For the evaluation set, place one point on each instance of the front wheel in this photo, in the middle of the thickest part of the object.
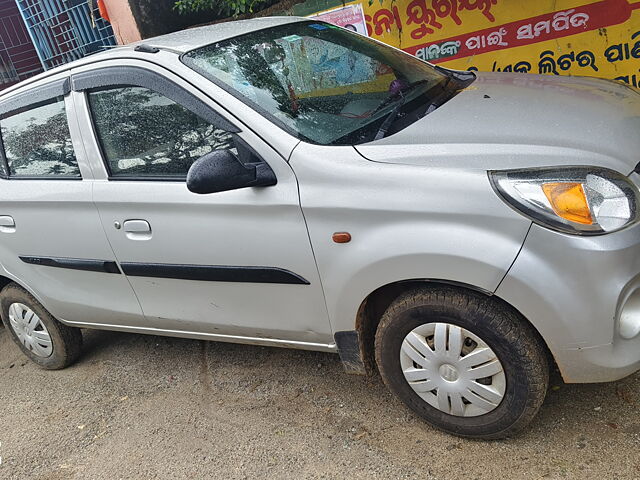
(462, 361)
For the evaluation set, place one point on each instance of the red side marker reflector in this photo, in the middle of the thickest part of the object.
(341, 237)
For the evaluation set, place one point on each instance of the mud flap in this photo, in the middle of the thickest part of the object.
(348, 343)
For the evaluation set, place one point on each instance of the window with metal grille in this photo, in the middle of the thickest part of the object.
(65, 30)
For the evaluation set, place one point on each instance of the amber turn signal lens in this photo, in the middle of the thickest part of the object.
(341, 237)
(569, 201)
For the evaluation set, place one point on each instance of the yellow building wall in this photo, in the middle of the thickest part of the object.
(562, 37)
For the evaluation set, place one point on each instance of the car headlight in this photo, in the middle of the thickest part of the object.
(576, 200)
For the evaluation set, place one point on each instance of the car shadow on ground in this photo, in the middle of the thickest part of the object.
(568, 404)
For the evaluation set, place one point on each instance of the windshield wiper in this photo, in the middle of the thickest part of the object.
(401, 93)
(389, 119)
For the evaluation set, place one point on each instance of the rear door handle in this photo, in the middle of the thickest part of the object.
(7, 224)
(137, 229)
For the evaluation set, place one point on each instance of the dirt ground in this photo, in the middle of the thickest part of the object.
(145, 407)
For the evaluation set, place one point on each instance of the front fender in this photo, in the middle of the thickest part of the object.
(460, 254)
(406, 222)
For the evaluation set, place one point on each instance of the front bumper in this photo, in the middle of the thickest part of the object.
(575, 290)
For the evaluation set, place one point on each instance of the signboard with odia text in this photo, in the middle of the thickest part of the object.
(560, 37)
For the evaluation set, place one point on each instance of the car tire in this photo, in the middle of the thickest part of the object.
(41, 337)
(476, 335)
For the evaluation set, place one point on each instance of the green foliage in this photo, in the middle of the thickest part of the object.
(223, 8)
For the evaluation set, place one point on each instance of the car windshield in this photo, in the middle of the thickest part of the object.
(325, 84)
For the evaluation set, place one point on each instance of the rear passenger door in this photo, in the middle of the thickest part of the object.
(51, 238)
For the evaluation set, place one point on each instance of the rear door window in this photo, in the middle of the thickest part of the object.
(36, 142)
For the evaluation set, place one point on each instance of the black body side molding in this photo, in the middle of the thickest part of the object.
(213, 273)
(207, 273)
(91, 265)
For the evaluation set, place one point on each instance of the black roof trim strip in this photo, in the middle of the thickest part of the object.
(144, 48)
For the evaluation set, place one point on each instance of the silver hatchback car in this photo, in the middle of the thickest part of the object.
(285, 182)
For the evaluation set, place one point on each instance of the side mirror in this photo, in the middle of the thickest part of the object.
(220, 171)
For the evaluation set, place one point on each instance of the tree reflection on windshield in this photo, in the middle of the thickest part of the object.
(321, 83)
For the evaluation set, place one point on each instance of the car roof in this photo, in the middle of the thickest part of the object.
(191, 38)
(178, 42)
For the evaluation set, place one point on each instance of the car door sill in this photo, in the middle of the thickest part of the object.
(268, 342)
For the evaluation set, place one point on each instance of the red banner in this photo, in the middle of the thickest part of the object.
(532, 30)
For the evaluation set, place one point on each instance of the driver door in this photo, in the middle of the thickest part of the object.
(230, 264)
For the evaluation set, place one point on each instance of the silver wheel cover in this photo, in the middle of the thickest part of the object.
(30, 330)
(452, 369)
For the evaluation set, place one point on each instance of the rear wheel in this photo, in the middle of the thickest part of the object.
(463, 361)
(39, 335)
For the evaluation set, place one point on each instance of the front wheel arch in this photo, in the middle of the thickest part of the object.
(376, 303)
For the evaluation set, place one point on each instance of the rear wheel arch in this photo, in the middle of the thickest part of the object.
(6, 281)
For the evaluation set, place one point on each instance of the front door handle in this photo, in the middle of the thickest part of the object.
(7, 224)
(137, 229)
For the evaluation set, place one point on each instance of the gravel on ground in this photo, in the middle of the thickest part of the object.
(147, 407)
